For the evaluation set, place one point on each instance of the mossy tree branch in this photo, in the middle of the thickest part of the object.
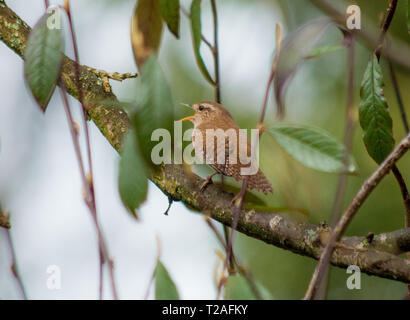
(375, 257)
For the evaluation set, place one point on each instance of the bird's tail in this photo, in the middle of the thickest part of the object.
(259, 182)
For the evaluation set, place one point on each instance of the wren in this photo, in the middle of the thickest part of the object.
(211, 115)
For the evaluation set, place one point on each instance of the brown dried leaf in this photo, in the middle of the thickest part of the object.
(146, 30)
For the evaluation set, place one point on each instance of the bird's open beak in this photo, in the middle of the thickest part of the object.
(190, 117)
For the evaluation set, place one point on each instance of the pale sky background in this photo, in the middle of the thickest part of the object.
(39, 178)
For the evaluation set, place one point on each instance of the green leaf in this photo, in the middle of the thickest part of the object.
(132, 178)
(155, 109)
(374, 115)
(170, 13)
(43, 56)
(237, 288)
(146, 30)
(295, 47)
(197, 38)
(165, 288)
(319, 51)
(313, 147)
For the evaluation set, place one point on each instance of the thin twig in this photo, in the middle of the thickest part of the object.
(349, 129)
(113, 75)
(398, 96)
(368, 186)
(241, 195)
(322, 266)
(237, 211)
(242, 270)
(252, 284)
(88, 180)
(406, 199)
(74, 135)
(218, 98)
(260, 128)
(151, 280)
(348, 138)
(228, 242)
(404, 192)
(278, 33)
(14, 268)
(397, 174)
(389, 17)
(215, 231)
(215, 52)
(369, 33)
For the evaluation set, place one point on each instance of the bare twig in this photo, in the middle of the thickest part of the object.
(241, 195)
(101, 241)
(406, 199)
(215, 231)
(398, 52)
(215, 52)
(389, 17)
(348, 137)
(402, 184)
(398, 96)
(278, 32)
(88, 180)
(242, 270)
(4, 222)
(113, 75)
(238, 207)
(151, 280)
(349, 129)
(14, 267)
(315, 284)
(397, 174)
(336, 234)
(228, 242)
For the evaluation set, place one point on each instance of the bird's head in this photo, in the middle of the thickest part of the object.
(208, 112)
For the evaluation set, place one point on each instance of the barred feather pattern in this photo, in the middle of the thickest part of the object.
(232, 166)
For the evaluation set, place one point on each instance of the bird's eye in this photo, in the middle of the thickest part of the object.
(201, 108)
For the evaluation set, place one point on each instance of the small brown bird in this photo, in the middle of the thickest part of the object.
(212, 115)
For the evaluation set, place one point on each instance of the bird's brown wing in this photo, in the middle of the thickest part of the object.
(232, 166)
